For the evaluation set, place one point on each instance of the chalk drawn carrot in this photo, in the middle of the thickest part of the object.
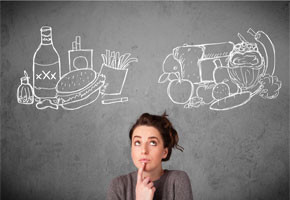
(223, 75)
(115, 69)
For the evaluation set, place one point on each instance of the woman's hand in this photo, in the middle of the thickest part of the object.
(144, 187)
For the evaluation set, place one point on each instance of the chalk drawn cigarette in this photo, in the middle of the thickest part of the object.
(224, 75)
(115, 100)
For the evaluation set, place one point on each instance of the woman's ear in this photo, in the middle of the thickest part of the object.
(165, 152)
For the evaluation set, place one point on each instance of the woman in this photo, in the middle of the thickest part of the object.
(152, 139)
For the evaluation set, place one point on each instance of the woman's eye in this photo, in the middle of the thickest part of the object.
(153, 143)
(136, 143)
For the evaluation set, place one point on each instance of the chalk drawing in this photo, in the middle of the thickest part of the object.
(115, 69)
(116, 100)
(47, 103)
(79, 58)
(46, 66)
(25, 91)
(79, 87)
(222, 75)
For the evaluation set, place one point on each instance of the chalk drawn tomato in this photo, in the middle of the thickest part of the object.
(180, 91)
(220, 91)
(221, 75)
(205, 92)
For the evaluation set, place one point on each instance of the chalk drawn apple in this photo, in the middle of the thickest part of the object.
(180, 90)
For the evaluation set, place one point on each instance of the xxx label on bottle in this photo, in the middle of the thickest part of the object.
(45, 79)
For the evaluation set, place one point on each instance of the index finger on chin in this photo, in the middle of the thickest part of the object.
(140, 173)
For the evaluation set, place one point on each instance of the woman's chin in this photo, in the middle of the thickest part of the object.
(147, 168)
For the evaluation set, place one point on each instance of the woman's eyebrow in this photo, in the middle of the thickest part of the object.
(153, 137)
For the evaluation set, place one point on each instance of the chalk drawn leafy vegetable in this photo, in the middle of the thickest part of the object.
(271, 86)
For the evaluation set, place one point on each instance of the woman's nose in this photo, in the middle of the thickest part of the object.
(144, 149)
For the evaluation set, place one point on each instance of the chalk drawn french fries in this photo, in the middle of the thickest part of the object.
(115, 69)
(223, 75)
(115, 61)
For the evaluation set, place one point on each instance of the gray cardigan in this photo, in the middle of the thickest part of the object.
(172, 185)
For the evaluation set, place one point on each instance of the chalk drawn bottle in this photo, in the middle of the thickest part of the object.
(25, 91)
(46, 66)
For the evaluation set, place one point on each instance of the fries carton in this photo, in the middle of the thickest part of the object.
(114, 68)
(115, 79)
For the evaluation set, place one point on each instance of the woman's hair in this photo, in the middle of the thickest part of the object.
(165, 128)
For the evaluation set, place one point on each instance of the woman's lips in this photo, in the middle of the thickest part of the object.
(144, 160)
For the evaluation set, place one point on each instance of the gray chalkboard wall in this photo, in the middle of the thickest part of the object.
(240, 153)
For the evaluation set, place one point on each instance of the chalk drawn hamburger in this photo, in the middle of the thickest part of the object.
(79, 88)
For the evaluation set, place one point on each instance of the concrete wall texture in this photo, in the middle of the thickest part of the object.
(237, 154)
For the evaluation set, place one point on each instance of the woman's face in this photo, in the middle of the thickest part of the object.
(147, 147)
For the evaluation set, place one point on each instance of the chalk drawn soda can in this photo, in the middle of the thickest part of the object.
(46, 66)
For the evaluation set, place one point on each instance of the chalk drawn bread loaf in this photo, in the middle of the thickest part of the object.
(188, 56)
